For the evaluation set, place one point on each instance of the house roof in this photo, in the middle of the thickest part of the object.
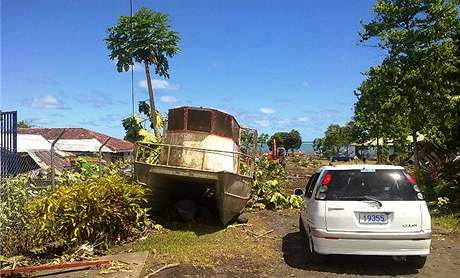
(27, 142)
(43, 159)
(81, 145)
(114, 144)
(420, 137)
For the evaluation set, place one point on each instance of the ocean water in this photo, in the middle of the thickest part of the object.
(306, 148)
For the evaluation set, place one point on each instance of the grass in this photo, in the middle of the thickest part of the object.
(201, 245)
(450, 223)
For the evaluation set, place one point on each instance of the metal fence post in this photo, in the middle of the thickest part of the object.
(53, 183)
(100, 155)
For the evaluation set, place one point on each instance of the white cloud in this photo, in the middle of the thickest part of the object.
(305, 84)
(283, 122)
(40, 121)
(303, 119)
(43, 102)
(263, 123)
(266, 110)
(159, 85)
(168, 99)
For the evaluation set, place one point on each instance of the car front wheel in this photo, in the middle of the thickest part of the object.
(416, 261)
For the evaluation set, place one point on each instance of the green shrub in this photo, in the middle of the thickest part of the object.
(14, 231)
(268, 185)
(99, 209)
(440, 206)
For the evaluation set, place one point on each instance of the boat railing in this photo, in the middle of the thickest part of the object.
(161, 154)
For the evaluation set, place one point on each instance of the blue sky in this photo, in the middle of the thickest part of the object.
(274, 65)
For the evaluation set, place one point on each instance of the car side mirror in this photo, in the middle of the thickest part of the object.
(298, 192)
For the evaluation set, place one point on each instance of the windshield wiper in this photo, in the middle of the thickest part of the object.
(368, 198)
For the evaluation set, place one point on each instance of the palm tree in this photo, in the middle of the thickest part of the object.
(145, 38)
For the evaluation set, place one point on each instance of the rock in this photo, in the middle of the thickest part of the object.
(186, 209)
(242, 218)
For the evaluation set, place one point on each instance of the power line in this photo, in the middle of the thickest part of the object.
(132, 63)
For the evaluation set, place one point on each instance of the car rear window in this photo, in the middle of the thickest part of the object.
(384, 185)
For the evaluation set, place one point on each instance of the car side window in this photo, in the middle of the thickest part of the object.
(311, 185)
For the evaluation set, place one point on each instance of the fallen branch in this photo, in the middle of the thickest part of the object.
(29, 269)
(264, 234)
(237, 225)
(161, 269)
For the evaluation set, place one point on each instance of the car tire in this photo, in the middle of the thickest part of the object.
(416, 261)
(302, 231)
(311, 254)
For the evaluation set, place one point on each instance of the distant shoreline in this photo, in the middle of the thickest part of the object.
(306, 148)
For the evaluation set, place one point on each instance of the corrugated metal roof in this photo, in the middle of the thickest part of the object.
(27, 142)
(81, 145)
(114, 144)
(43, 159)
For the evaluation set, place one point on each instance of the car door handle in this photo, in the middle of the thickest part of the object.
(335, 208)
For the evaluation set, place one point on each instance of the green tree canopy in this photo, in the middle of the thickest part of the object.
(293, 140)
(263, 139)
(147, 38)
(411, 90)
(335, 138)
(24, 124)
(289, 140)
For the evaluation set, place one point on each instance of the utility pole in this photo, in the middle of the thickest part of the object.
(132, 62)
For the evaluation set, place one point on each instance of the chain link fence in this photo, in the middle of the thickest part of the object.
(44, 161)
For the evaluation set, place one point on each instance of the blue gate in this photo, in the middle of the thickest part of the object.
(8, 143)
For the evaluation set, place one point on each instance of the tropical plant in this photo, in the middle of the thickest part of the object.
(136, 132)
(145, 38)
(268, 185)
(100, 209)
(15, 193)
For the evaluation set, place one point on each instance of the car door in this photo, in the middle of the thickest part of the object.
(309, 189)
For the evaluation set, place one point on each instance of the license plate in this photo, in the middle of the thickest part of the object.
(373, 218)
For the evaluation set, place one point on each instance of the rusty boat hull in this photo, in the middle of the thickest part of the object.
(168, 184)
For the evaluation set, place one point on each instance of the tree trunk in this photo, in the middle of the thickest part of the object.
(414, 135)
(378, 150)
(414, 142)
(153, 111)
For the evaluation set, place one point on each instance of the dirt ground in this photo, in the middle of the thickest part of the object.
(270, 245)
(287, 257)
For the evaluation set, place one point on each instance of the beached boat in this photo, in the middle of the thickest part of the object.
(199, 159)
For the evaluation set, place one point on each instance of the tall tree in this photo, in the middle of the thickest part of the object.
(335, 138)
(280, 138)
(24, 124)
(293, 140)
(146, 38)
(418, 38)
(262, 140)
(378, 110)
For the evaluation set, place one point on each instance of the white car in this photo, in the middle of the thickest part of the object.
(365, 210)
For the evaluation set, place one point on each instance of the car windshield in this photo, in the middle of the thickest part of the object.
(382, 185)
